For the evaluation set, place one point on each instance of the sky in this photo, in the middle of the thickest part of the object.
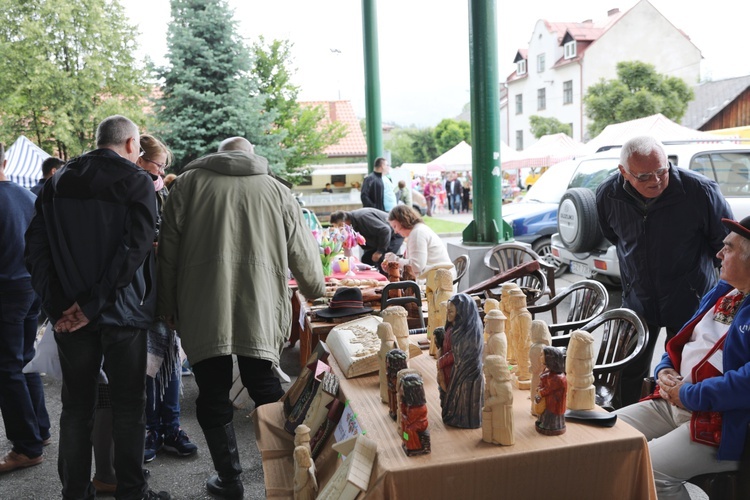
(424, 44)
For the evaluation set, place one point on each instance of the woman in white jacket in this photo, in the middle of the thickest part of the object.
(424, 248)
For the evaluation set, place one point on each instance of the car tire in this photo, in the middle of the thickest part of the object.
(543, 247)
(577, 222)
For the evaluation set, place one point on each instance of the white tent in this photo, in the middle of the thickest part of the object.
(459, 158)
(658, 126)
(548, 150)
(25, 162)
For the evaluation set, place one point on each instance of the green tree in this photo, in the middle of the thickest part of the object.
(302, 130)
(208, 93)
(66, 65)
(637, 92)
(541, 125)
(450, 132)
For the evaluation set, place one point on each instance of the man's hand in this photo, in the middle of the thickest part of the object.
(72, 319)
(376, 256)
(670, 382)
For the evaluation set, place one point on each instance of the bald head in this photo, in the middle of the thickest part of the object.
(236, 144)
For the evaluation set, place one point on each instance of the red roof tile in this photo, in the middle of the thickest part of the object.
(353, 144)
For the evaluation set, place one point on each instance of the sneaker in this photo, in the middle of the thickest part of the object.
(12, 461)
(154, 443)
(152, 495)
(178, 443)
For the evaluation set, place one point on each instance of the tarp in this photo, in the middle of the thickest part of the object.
(459, 158)
(658, 126)
(548, 150)
(25, 162)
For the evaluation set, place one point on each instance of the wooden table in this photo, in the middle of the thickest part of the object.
(585, 462)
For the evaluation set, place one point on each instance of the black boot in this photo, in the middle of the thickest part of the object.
(222, 444)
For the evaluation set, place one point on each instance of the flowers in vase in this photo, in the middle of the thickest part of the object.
(332, 240)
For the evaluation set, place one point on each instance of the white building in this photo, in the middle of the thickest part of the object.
(564, 58)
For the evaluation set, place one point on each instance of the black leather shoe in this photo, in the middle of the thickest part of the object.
(232, 489)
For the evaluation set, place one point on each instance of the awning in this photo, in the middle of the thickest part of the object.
(340, 170)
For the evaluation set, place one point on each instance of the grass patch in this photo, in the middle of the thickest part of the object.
(442, 226)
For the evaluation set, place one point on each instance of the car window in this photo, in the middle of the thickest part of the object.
(731, 169)
(592, 172)
(551, 186)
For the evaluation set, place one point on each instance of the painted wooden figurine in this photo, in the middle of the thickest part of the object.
(497, 418)
(579, 370)
(305, 484)
(399, 376)
(396, 316)
(413, 409)
(494, 331)
(551, 394)
(460, 365)
(396, 361)
(387, 342)
(540, 337)
(520, 331)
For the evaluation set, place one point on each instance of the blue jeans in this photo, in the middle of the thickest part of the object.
(21, 394)
(163, 412)
(124, 351)
(455, 202)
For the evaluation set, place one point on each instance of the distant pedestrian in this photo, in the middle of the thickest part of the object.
(49, 167)
(377, 188)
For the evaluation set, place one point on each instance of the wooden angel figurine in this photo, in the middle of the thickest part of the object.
(505, 307)
(551, 394)
(387, 342)
(305, 484)
(413, 408)
(579, 370)
(497, 418)
(460, 365)
(540, 337)
(520, 333)
(396, 361)
(494, 332)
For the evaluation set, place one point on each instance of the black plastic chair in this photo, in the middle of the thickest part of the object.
(407, 287)
(461, 263)
(586, 300)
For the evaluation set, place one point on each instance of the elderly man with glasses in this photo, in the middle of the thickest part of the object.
(665, 223)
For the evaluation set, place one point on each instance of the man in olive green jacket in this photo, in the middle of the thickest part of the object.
(229, 233)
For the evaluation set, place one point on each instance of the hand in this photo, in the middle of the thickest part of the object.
(72, 319)
(670, 382)
(376, 256)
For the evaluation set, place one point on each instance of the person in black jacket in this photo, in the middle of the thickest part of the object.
(373, 187)
(49, 167)
(373, 225)
(665, 223)
(87, 249)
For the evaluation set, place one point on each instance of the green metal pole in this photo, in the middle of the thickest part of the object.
(488, 226)
(372, 83)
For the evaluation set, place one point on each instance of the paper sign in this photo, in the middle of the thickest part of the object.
(348, 425)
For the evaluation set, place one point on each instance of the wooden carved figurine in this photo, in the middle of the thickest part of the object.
(302, 436)
(396, 317)
(579, 369)
(387, 342)
(551, 394)
(520, 331)
(494, 331)
(393, 273)
(540, 337)
(408, 273)
(489, 305)
(396, 361)
(505, 307)
(399, 376)
(497, 418)
(305, 484)
(441, 294)
(460, 365)
(413, 409)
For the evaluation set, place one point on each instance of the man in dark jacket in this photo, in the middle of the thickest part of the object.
(373, 225)
(373, 187)
(453, 192)
(49, 167)
(666, 225)
(86, 249)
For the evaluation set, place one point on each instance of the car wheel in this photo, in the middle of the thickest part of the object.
(577, 221)
(543, 247)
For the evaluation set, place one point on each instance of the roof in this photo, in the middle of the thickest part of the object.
(353, 144)
(548, 150)
(711, 98)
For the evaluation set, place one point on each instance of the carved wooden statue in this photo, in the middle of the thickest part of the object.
(551, 394)
(437, 303)
(393, 273)
(413, 409)
(489, 305)
(387, 342)
(494, 331)
(505, 307)
(302, 436)
(579, 369)
(399, 376)
(305, 484)
(396, 316)
(540, 337)
(520, 332)
(396, 361)
(460, 365)
(497, 417)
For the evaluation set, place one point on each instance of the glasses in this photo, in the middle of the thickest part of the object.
(660, 173)
(162, 166)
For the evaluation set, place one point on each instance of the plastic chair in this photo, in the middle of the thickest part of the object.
(587, 300)
(461, 263)
(506, 256)
(416, 298)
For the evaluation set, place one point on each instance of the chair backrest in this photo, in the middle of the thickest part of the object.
(462, 265)
(408, 287)
(311, 219)
(505, 256)
(585, 299)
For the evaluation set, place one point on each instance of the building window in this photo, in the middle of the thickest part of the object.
(519, 104)
(568, 92)
(519, 140)
(338, 180)
(570, 49)
(541, 99)
(521, 67)
(540, 63)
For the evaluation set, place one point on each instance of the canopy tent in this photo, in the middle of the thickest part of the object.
(658, 126)
(548, 150)
(459, 158)
(416, 169)
(25, 162)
